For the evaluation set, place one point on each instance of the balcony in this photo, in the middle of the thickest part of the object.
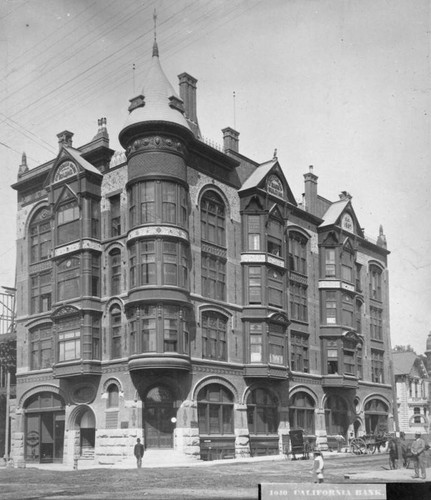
(159, 361)
(77, 368)
(266, 371)
(340, 382)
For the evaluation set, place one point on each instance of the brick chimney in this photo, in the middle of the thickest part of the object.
(65, 138)
(188, 95)
(230, 139)
(310, 195)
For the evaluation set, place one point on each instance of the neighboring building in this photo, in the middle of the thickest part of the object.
(412, 385)
(179, 293)
(7, 365)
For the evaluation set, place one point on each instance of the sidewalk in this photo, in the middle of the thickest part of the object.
(387, 476)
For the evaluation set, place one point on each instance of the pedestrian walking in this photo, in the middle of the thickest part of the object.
(394, 447)
(404, 450)
(318, 467)
(418, 456)
(139, 452)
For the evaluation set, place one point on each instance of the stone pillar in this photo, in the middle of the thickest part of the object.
(320, 426)
(242, 434)
(283, 430)
(186, 433)
(17, 436)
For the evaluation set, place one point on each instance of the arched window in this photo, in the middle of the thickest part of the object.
(113, 396)
(213, 219)
(40, 236)
(262, 412)
(336, 417)
(297, 252)
(376, 416)
(215, 410)
(115, 324)
(115, 270)
(301, 412)
(375, 283)
(214, 336)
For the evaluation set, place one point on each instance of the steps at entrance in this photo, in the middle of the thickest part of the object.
(167, 457)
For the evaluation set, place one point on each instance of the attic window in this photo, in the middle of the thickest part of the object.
(274, 186)
(136, 102)
(65, 170)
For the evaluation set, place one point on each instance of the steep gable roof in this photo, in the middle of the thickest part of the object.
(408, 363)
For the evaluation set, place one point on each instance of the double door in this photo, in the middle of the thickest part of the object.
(159, 418)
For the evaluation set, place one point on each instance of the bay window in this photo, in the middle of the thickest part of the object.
(68, 222)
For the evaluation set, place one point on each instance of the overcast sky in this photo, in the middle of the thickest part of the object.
(343, 85)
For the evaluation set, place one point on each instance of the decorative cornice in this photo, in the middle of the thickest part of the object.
(79, 245)
(157, 231)
(213, 250)
(156, 143)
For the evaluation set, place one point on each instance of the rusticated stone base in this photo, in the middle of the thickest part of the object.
(115, 446)
(187, 441)
(242, 443)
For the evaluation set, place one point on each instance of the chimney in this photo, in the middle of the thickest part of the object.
(188, 95)
(310, 195)
(230, 140)
(65, 138)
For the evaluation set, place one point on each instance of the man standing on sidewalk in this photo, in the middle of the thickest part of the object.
(418, 455)
(139, 452)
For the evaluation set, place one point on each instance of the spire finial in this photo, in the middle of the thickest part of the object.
(155, 47)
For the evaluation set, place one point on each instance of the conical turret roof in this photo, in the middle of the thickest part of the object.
(161, 102)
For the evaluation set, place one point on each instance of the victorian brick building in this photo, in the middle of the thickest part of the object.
(179, 293)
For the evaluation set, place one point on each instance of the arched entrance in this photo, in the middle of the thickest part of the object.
(376, 417)
(336, 416)
(87, 426)
(44, 428)
(158, 415)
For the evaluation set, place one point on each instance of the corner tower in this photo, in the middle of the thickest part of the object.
(155, 137)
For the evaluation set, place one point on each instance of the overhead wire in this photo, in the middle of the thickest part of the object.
(176, 46)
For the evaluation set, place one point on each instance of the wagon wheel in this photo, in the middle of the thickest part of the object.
(358, 446)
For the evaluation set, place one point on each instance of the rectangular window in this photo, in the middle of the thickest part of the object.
(95, 218)
(298, 301)
(330, 262)
(170, 266)
(169, 203)
(68, 222)
(115, 262)
(254, 232)
(40, 241)
(347, 273)
(213, 277)
(95, 275)
(275, 288)
(68, 278)
(132, 265)
(331, 308)
(377, 374)
(255, 285)
(115, 226)
(349, 361)
(116, 351)
(376, 329)
(95, 332)
(41, 292)
(69, 340)
(332, 357)
(214, 329)
(275, 234)
(170, 328)
(376, 284)
(298, 253)
(148, 263)
(299, 360)
(256, 346)
(41, 348)
(148, 211)
(148, 324)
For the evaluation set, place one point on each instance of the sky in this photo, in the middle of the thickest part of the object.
(343, 85)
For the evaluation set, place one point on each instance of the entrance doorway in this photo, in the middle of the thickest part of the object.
(88, 434)
(44, 428)
(158, 414)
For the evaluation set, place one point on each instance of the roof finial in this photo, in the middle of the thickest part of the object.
(275, 154)
(155, 47)
(23, 168)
